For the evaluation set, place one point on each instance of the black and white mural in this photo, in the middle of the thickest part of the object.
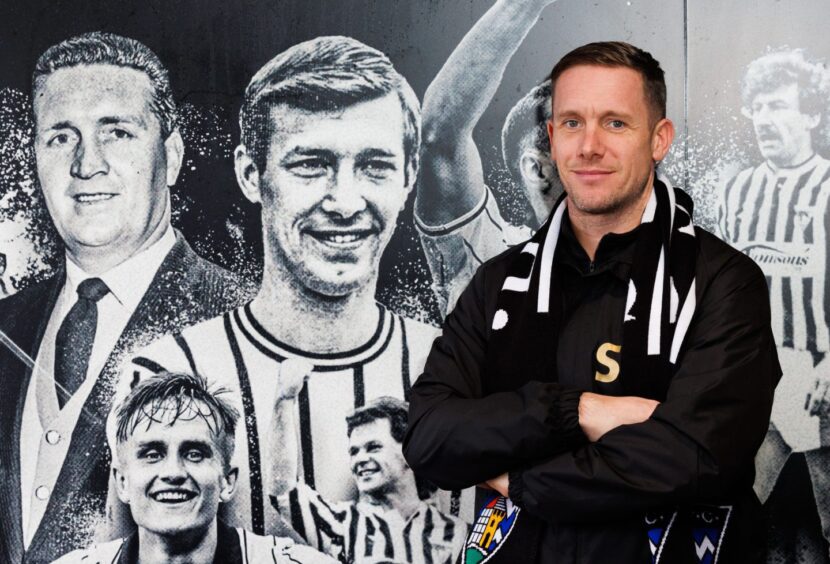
(287, 197)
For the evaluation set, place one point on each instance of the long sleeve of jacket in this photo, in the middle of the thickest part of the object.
(698, 444)
(457, 436)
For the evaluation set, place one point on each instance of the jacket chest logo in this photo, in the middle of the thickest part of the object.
(608, 366)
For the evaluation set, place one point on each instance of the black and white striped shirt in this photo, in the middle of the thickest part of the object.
(236, 352)
(361, 532)
(780, 219)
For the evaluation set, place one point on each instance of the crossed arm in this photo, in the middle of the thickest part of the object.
(558, 451)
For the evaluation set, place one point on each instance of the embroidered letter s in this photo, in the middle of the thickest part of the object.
(605, 360)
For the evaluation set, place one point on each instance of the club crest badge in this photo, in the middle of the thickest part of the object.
(658, 527)
(492, 527)
(708, 529)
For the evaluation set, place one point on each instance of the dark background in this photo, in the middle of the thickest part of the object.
(212, 49)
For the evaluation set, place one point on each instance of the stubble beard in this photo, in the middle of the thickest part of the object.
(612, 205)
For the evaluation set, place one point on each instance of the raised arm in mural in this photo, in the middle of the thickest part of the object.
(777, 213)
(389, 518)
(329, 143)
(283, 469)
(505, 397)
(457, 216)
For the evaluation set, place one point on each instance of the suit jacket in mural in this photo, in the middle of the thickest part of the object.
(185, 290)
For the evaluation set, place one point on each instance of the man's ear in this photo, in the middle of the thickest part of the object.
(661, 139)
(411, 176)
(174, 151)
(121, 485)
(229, 484)
(813, 120)
(247, 174)
(550, 140)
(537, 169)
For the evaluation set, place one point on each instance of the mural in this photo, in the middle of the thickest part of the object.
(302, 204)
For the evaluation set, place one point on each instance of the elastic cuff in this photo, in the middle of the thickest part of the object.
(515, 487)
(563, 416)
(455, 224)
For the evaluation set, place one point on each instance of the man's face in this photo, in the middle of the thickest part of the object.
(783, 132)
(604, 139)
(331, 191)
(102, 163)
(376, 458)
(173, 476)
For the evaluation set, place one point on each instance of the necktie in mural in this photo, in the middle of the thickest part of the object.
(73, 344)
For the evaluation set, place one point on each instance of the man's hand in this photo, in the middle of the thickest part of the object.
(293, 374)
(500, 483)
(599, 414)
(818, 400)
(281, 470)
(287, 552)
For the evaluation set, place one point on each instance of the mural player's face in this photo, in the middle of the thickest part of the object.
(331, 191)
(173, 476)
(782, 131)
(376, 458)
(602, 138)
(102, 164)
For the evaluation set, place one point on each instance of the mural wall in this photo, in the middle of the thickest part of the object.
(348, 290)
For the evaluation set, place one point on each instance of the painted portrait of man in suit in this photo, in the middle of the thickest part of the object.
(107, 148)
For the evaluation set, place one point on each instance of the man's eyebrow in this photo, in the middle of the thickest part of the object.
(106, 120)
(150, 444)
(110, 120)
(299, 150)
(60, 125)
(567, 114)
(618, 114)
(197, 444)
(374, 153)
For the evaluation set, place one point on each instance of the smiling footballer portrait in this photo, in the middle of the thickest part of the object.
(391, 519)
(172, 466)
(330, 136)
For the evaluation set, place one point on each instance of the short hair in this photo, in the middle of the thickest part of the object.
(620, 54)
(170, 396)
(786, 66)
(100, 48)
(323, 75)
(396, 412)
(526, 127)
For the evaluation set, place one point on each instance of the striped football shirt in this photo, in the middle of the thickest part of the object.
(780, 219)
(362, 532)
(235, 351)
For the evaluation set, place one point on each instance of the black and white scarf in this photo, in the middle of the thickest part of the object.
(658, 310)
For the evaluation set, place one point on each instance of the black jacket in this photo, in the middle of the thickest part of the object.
(185, 290)
(595, 501)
